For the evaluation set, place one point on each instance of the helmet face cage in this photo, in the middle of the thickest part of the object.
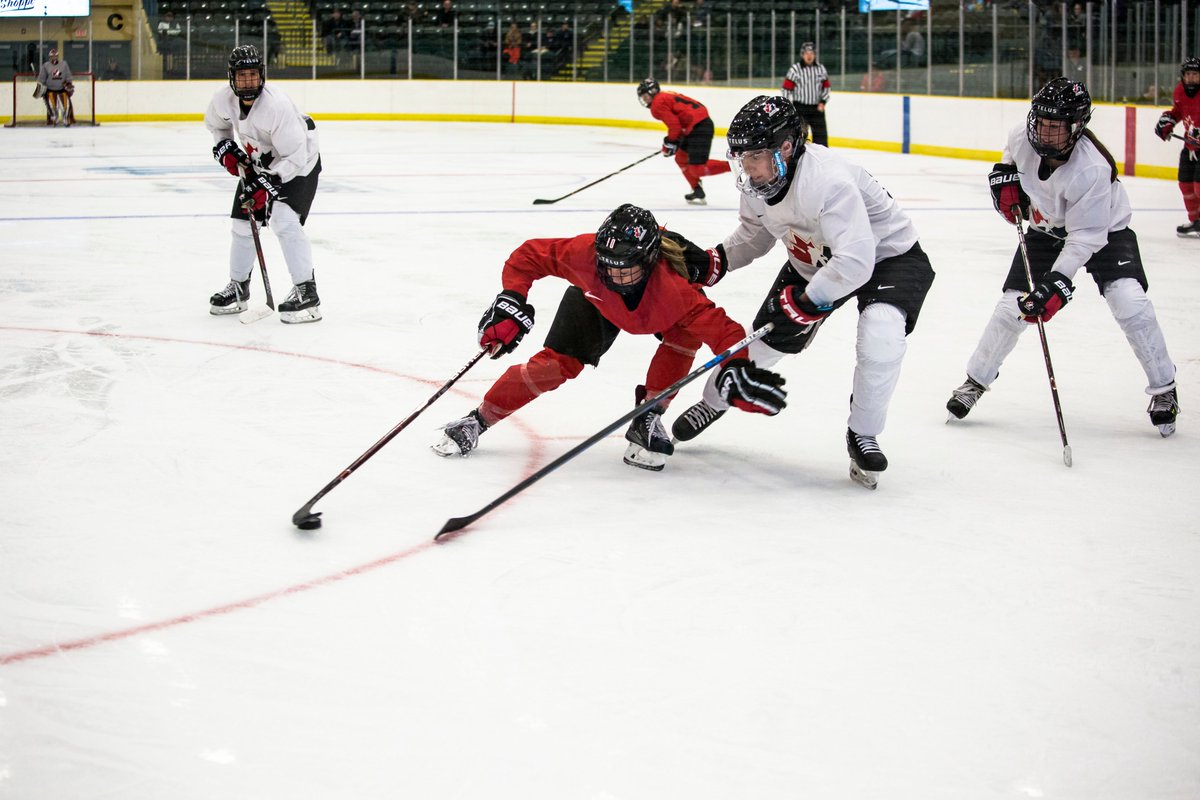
(246, 57)
(1190, 65)
(1060, 99)
(646, 91)
(53, 55)
(627, 248)
(758, 130)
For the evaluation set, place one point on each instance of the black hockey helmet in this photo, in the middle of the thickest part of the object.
(1189, 65)
(646, 91)
(765, 123)
(1060, 99)
(246, 57)
(627, 240)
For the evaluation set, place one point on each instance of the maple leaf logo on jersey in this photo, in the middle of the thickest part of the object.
(803, 250)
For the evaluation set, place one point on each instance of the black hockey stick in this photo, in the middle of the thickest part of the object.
(1062, 430)
(304, 517)
(458, 523)
(541, 202)
(262, 262)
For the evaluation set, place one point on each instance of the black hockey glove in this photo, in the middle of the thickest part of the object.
(1166, 124)
(744, 385)
(792, 307)
(1007, 193)
(257, 190)
(670, 147)
(230, 156)
(1047, 298)
(505, 323)
(705, 267)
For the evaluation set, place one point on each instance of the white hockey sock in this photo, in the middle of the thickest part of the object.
(293, 241)
(1134, 312)
(998, 340)
(880, 352)
(242, 257)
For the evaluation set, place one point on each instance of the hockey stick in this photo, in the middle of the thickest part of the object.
(1062, 431)
(458, 523)
(255, 314)
(542, 202)
(304, 517)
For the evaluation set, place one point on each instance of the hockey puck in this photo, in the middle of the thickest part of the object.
(309, 523)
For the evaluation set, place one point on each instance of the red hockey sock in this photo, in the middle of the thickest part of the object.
(716, 167)
(521, 383)
(671, 362)
(1191, 199)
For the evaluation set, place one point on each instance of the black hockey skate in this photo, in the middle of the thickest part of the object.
(1163, 409)
(696, 196)
(649, 444)
(1191, 229)
(230, 300)
(461, 436)
(693, 421)
(302, 305)
(866, 459)
(964, 398)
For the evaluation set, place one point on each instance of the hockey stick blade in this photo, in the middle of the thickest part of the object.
(545, 202)
(252, 315)
(458, 523)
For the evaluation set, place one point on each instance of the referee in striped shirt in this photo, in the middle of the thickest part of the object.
(807, 86)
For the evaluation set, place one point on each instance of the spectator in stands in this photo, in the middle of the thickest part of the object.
(562, 41)
(1076, 68)
(446, 14)
(513, 42)
(414, 12)
(356, 30)
(874, 81)
(335, 31)
(699, 14)
(113, 72)
(170, 33)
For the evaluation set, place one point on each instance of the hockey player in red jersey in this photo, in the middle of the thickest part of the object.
(1186, 110)
(689, 135)
(628, 276)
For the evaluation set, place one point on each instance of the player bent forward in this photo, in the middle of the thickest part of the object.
(1057, 173)
(279, 163)
(846, 239)
(628, 276)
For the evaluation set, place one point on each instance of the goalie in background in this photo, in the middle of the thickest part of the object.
(55, 87)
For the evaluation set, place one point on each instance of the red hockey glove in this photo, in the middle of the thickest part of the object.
(256, 192)
(1166, 124)
(1047, 298)
(1007, 193)
(744, 385)
(670, 146)
(704, 267)
(792, 307)
(505, 323)
(230, 156)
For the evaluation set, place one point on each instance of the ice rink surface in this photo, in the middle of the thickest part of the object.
(746, 624)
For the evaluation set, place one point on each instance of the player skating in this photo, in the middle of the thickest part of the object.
(689, 135)
(57, 85)
(846, 238)
(278, 152)
(1186, 111)
(1061, 178)
(628, 276)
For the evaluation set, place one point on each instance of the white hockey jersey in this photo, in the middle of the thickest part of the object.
(836, 222)
(278, 138)
(1080, 197)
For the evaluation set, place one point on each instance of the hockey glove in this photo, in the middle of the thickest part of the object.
(256, 191)
(670, 146)
(1047, 298)
(704, 267)
(1007, 193)
(744, 385)
(792, 307)
(1192, 140)
(230, 156)
(505, 323)
(70, 88)
(1166, 124)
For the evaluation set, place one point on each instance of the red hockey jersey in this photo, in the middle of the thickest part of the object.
(1185, 110)
(679, 113)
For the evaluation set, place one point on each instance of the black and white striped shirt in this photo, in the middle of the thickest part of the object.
(806, 84)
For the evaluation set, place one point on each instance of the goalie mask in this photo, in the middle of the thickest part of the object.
(246, 57)
(1190, 65)
(756, 138)
(627, 248)
(1060, 112)
(646, 91)
(53, 55)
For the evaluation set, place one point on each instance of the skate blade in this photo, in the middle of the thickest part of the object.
(699, 202)
(640, 457)
(447, 448)
(297, 317)
(224, 311)
(862, 477)
(1166, 430)
(252, 315)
